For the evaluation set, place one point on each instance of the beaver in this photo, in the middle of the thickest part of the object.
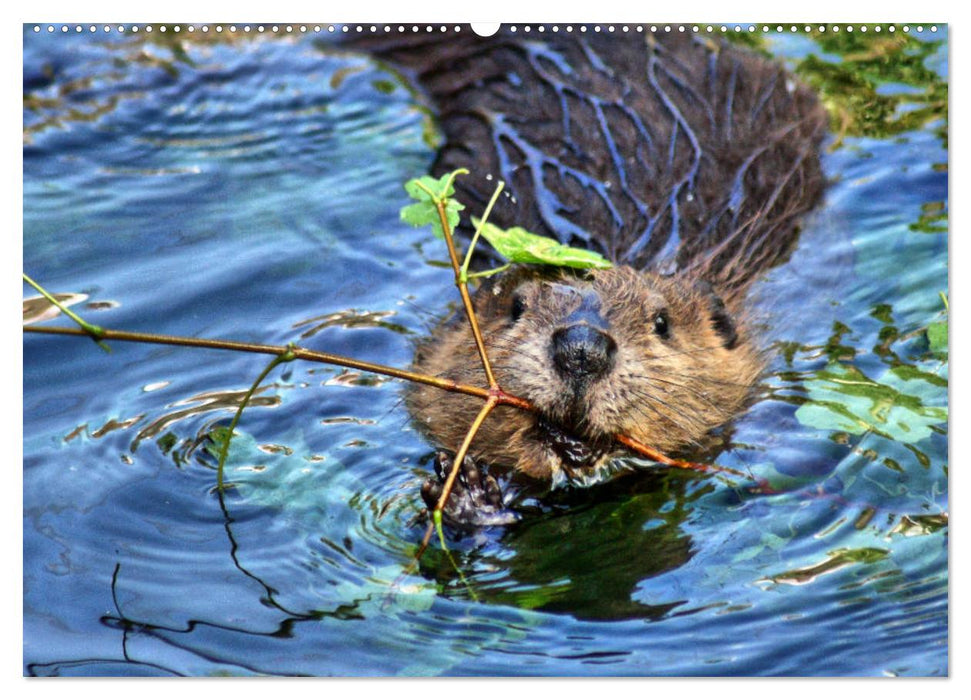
(686, 161)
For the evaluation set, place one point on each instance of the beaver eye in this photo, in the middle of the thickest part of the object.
(518, 307)
(661, 326)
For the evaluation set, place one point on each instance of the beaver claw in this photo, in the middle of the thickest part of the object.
(475, 500)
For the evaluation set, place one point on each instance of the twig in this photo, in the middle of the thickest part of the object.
(460, 282)
(298, 353)
(502, 398)
(463, 450)
(651, 453)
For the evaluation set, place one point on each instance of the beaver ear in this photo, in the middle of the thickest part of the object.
(721, 320)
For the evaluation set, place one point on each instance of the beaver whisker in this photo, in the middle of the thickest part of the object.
(674, 412)
(720, 382)
(704, 397)
(650, 399)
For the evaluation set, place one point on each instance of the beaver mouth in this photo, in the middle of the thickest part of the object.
(576, 454)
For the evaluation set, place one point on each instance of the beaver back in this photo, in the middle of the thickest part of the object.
(670, 152)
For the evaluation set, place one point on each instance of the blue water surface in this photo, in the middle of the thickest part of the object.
(250, 189)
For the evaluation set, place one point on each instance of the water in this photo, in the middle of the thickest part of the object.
(250, 189)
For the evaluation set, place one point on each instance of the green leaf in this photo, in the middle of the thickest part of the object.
(520, 246)
(428, 191)
(937, 336)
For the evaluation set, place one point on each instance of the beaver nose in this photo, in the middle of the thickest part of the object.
(582, 353)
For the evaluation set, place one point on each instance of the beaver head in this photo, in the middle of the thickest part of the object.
(658, 358)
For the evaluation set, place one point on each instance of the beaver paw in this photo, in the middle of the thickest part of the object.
(475, 500)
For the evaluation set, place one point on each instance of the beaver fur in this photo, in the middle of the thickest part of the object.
(686, 161)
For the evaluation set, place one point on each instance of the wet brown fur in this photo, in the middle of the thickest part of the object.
(686, 161)
(667, 393)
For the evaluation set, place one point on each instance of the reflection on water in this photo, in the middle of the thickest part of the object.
(556, 562)
(215, 186)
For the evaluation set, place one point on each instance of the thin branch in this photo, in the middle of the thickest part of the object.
(651, 453)
(224, 449)
(298, 353)
(464, 293)
(478, 232)
(463, 450)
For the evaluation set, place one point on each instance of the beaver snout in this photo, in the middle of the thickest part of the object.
(582, 353)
